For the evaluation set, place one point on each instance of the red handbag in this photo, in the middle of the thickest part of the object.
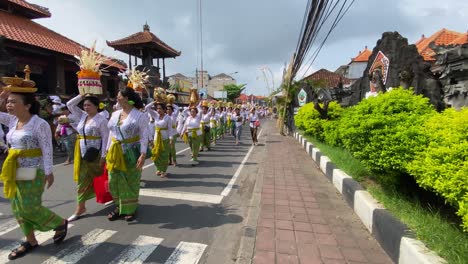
(101, 187)
(257, 123)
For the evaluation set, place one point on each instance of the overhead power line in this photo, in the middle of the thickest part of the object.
(317, 13)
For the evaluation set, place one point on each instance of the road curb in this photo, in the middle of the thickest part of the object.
(394, 236)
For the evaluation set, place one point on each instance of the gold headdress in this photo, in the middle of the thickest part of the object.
(137, 79)
(89, 76)
(159, 95)
(20, 85)
(205, 104)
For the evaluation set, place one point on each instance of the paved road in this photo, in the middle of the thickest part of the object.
(194, 216)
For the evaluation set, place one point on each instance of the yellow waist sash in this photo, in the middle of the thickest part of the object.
(77, 155)
(115, 158)
(10, 165)
(214, 123)
(158, 144)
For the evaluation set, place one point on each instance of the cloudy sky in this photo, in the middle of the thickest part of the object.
(244, 35)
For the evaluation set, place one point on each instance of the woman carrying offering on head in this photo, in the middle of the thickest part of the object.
(90, 148)
(28, 168)
(126, 153)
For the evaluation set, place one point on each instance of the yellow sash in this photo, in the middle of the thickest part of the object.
(77, 155)
(158, 144)
(229, 121)
(214, 123)
(115, 158)
(10, 165)
(202, 126)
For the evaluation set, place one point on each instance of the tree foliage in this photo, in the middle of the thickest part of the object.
(233, 91)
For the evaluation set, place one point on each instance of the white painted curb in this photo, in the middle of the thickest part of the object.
(338, 177)
(308, 147)
(364, 206)
(314, 153)
(413, 251)
(324, 160)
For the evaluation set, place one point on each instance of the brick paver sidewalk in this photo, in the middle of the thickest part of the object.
(303, 219)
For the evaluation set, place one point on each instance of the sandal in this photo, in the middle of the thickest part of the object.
(114, 215)
(62, 229)
(130, 217)
(22, 250)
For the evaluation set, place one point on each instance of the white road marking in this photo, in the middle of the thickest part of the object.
(77, 251)
(186, 253)
(233, 180)
(138, 251)
(196, 197)
(152, 164)
(8, 226)
(41, 238)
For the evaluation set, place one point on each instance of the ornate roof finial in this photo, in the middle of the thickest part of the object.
(146, 27)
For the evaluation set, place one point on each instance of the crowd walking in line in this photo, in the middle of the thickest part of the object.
(119, 145)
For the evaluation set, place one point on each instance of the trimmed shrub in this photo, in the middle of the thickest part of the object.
(384, 132)
(308, 118)
(443, 166)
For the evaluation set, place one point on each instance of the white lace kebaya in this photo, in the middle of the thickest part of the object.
(35, 134)
(136, 124)
(97, 127)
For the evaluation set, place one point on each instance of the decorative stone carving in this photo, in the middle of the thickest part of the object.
(401, 56)
(452, 65)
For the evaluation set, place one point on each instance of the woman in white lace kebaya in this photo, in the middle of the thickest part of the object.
(92, 133)
(162, 137)
(192, 132)
(30, 154)
(127, 146)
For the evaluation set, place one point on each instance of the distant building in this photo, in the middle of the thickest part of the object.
(204, 82)
(180, 82)
(252, 99)
(217, 82)
(354, 69)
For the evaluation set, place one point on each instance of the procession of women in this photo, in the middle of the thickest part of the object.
(117, 145)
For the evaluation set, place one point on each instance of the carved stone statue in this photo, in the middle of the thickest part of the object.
(406, 76)
(377, 82)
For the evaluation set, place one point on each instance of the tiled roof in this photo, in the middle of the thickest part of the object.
(442, 37)
(463, 39)
(363, 56)
(331, 79)
(26, 31)
(143, 38)
(222, 75)
(178, 76)
(30, 10)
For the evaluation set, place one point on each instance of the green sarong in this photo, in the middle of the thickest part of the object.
(162, 162)
(172, 155)
(214, 133)
(27, 206)
(194, 144)
(206, 140)
(88, 170)
(125, 186)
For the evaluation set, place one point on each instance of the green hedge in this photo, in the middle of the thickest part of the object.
(384, 132)
(308, 118)
(442, 167)
(398, 134)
